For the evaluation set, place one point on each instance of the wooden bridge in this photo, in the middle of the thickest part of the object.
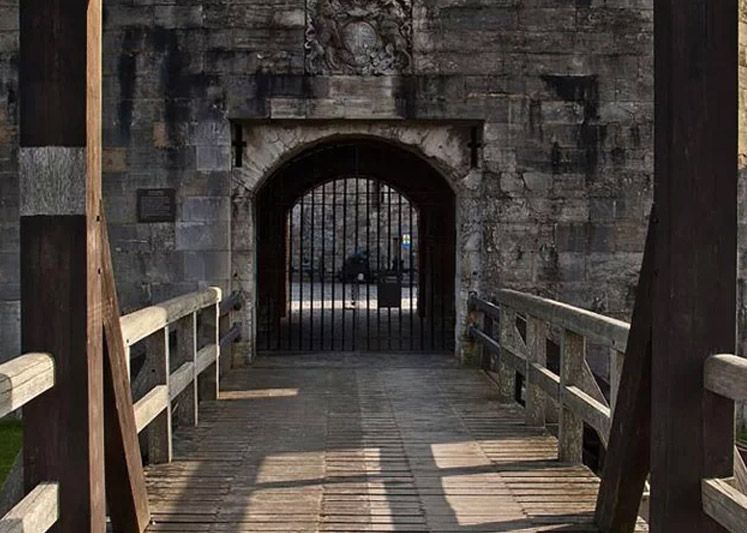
(351, 442)
(375, 443)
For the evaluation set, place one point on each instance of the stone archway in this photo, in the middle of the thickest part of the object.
(387, 165)
(438, 152)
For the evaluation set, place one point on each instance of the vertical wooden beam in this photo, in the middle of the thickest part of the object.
(486, 359)
(695, 302)
(125, 482)
(209, 381)
(536, 353)
(506, 337)
(157, 363)
(626, 465)
(60, 183)
(186, 352)
(571, 426)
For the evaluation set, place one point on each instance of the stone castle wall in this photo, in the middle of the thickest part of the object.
(560, 94)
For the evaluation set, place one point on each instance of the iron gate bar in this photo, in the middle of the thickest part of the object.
(389, 263)
(368, 265)
(289, 262)
(399, 263)
(344, 253)
(355, 288)
(379, 202)
(323, 266)
(311, 273)
(334, 256)
(300, 276)
(412, 245)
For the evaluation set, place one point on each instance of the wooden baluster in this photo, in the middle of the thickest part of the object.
(159, 431)
(186, 346)
(486, 358)
(209, 380)
(536, 353)
(616, 365)
(506, 375)
(571, 431)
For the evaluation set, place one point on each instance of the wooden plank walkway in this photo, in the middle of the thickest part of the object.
(349, 443)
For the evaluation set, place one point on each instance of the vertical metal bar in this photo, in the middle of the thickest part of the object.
(334, 259)
(357, 285)
(323, 266)
(368, 264)
(411, 273)
(302, 224)
(389, 261)
(431, 293)
(442, 295)
(289, 266)
(379, 201)
(311, 270)
(344, 255)
(399, 263)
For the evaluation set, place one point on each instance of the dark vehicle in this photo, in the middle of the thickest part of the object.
(354, 266)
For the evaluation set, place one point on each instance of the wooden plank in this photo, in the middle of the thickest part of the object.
(181, 378)
(144, 322)
(725, 504)
(186, 410)
(593, 412)
(571, 427)
(695, 189)
(545, 379)
(600, 328)
(209, 382)
(157, 365)
(536, 355)
(726, 375)
(60, 184)
(206, 357)
(36, 513)
(125, 482)
(150, 406)
(626, 464)
(23, 379)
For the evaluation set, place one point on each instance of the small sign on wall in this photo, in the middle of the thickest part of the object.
(156, 205)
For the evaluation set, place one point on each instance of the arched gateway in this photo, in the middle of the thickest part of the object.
(356, 251)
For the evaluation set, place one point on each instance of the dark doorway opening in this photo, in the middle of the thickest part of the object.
(356, 243)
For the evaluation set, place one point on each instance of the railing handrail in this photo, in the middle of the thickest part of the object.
(603, 329)
(22, 379)
(726, 375)
(144, 322)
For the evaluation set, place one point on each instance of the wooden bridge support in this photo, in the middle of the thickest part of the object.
(60, 183)
(694, 305)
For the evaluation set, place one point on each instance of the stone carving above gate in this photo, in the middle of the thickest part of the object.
(364, 37)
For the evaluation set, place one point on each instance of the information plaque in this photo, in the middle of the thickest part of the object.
(156, 205)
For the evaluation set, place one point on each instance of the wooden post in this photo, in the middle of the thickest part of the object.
(209, 381)
(60, 184)
(506, 375)
(626, 465)
(695, 300)
(536, 353)
(157, 362)
(571, 426)
(616, 365)
(125, 483)
(186, 352)
(486, 359)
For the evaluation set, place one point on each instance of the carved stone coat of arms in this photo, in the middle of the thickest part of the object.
(366, 37)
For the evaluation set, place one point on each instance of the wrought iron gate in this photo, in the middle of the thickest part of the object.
(358, 276)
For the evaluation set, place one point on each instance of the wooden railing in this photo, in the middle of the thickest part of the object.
(168, 386)
(171, 382)
(725, 499)
(575, 389)
(21, 380)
